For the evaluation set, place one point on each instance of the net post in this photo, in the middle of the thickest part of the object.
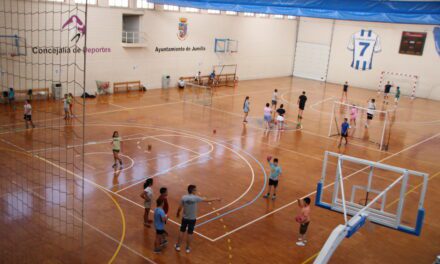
(331, 120)
(341, 182)
(402, 197)
(383, 131)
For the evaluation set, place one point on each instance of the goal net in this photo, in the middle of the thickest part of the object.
(378, 131)
(198, 94)
(407, 82)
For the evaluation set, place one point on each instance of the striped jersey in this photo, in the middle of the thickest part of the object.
(364, 44)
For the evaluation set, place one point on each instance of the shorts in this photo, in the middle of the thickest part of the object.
(369, 116)
(387, 91)
(188, 223)
(246, 111)
(267, 118)
(160, 232)
(273, 183)
(28, 117)
(344, 135)
(147, 205)
(66, 109)
(274, 102)
(280, 118)
(345, 89)
(302, 107)
(303, 228)
(116, 150)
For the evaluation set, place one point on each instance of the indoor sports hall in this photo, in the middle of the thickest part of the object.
(187, 131)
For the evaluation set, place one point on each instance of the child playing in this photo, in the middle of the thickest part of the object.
(246, 104)
(303, 219)
(344, 132)
(28, 114)
(280, 118)
(66, 107)
(160, 219)
(275, 99)
(275, 172)
(147, 195)
(353, 115)
(70, 102)
(370, 112)
(267, 116)
(397, 96)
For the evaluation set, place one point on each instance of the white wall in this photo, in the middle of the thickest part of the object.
(427, 66)
(266, 46)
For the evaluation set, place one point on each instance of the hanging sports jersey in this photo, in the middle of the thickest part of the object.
(364, 44)
(437, 39)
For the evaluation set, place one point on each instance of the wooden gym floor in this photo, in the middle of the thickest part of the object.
(243, 227)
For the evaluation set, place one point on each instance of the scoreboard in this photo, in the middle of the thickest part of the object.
(412, 43)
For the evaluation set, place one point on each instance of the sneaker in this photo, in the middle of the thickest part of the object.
(114, 166)
(164, 243)
(157, 251)
(188, 250)
(300, 243)
(274, 197)
(177, 247)
(266, 196)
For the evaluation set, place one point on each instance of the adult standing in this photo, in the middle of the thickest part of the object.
(344, 92)
(188, 204)
(302, 99)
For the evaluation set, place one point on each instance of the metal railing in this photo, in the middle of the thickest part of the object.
(133, 37)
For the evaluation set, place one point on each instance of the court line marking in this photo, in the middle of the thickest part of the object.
(109, 153)
(387, 206)
(100, 231)
(301, 129)
(190, 134)
(323, 112)
(211, 143)
(98, 186)
(126, 109)
(120, 106)
(325, 187)
(121, 240)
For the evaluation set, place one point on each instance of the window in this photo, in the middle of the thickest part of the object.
(278, 16)
(231, 13)
(144, 4)
(170, 8)
(262, 15)
(191, 10)
(213, 11)
(90, 2)
(291, 17)
(118, 3)
(248, 14)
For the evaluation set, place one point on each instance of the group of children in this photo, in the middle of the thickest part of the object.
(188, 207)
(303, 216)
(270, 109)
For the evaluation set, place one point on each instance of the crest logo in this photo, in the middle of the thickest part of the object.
(183, 28)
(74, 22)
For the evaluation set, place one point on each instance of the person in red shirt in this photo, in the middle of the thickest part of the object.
(164, 196)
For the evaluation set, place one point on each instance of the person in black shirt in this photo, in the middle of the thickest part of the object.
(386, 92)
(280, 117)
(344, 92)
(301, 105)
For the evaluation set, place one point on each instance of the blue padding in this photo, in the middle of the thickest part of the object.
(418, 230)
(355, 228)
(408, 12)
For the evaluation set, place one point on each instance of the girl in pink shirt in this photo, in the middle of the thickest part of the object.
(353, 114)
